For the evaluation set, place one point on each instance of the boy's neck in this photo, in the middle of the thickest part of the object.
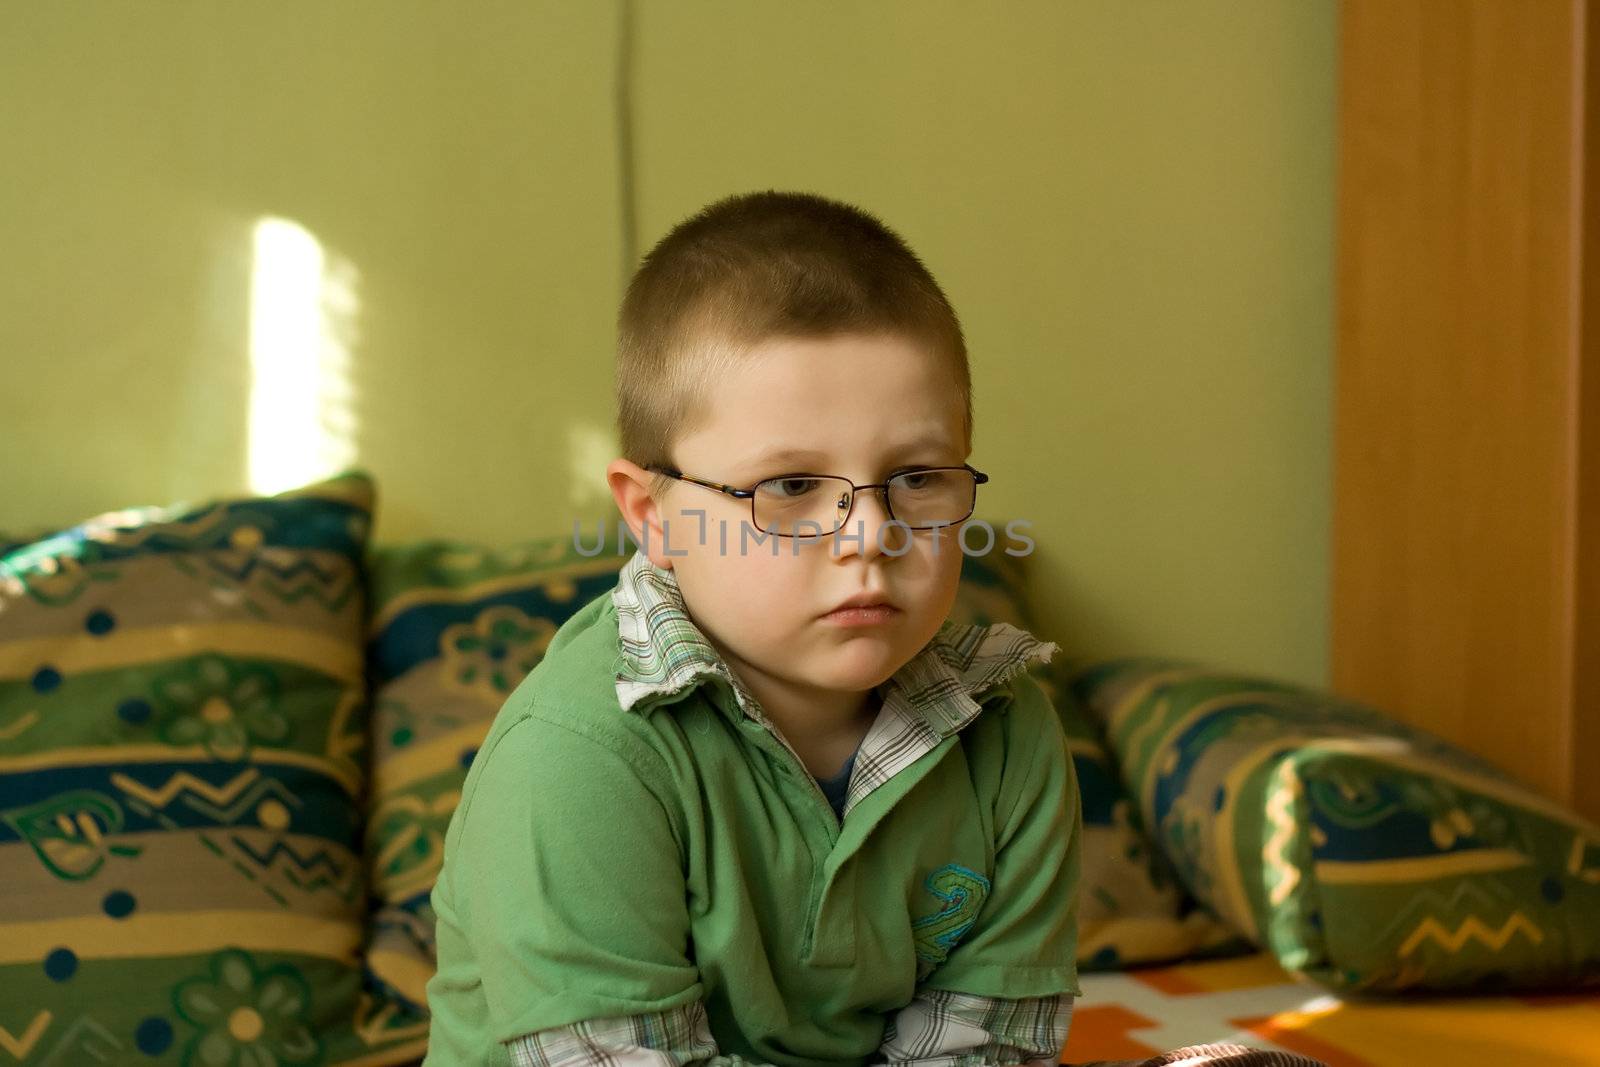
(821, 724)
(819, 714)
(824, 733)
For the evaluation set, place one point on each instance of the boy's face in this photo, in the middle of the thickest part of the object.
(854, 406)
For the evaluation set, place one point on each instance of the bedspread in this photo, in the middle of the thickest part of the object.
(1137, 1014)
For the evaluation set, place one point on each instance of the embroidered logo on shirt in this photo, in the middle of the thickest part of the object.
(961, 891)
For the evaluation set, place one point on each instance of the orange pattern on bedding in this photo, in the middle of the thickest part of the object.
(1252, 1001)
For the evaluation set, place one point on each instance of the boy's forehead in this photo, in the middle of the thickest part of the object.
(776, 450)
(825, 372)
(753, 445)
(841, 398)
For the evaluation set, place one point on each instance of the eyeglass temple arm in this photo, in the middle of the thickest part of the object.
(673, 472)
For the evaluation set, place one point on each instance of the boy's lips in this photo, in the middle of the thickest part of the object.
(863, 609)
(864, 600)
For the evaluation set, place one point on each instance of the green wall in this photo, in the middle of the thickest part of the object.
(247, 243)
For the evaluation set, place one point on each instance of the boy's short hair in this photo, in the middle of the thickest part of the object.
(752, 267)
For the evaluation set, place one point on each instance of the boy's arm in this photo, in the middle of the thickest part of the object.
(1004, 994)
(567, 882)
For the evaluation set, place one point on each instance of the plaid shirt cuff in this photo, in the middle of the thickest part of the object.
(941, 1028)
(669, 1038)
(938, 1029)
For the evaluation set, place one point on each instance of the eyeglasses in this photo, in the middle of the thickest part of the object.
(819, 505)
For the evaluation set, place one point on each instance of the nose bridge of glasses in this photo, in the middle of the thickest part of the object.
(850, 497)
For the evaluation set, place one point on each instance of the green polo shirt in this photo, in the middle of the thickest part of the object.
(634, 835)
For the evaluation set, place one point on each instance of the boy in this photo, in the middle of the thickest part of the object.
(762, 803)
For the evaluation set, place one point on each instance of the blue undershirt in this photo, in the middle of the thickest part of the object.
(834, 788)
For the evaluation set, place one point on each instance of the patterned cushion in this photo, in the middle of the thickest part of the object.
(182, 731)
(1132, 907)
(1363, 853)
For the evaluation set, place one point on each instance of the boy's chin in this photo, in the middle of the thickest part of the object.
(858, 675)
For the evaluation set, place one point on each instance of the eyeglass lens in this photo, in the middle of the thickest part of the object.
(818, 505)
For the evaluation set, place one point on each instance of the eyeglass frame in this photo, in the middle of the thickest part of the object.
(978, 478)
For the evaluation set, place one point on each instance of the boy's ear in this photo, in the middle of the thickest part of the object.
(630, 488)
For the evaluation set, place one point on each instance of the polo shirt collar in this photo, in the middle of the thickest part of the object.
(663, 654)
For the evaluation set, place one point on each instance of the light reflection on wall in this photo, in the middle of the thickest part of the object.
(589, 448)
(304, 307)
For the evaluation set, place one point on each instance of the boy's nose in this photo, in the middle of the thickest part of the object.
(867, 518)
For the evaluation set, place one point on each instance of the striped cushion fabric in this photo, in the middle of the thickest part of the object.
(1370, 856)
(182, 759)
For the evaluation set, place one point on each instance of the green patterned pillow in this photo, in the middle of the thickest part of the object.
(182, 731)
(1366, 854)
(1132, 907)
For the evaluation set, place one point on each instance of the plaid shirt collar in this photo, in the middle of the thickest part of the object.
(941, 689)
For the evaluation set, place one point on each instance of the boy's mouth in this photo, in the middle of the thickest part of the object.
(863, 609)
(864, 600)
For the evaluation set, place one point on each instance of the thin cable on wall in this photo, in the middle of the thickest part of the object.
(627, 209)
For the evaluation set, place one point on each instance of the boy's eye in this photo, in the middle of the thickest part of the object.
(914, 479)
(788, 488)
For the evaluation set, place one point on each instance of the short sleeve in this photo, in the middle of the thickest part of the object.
(567, 881)
(1024, 940)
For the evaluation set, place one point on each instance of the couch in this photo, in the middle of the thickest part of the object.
(232, 734)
